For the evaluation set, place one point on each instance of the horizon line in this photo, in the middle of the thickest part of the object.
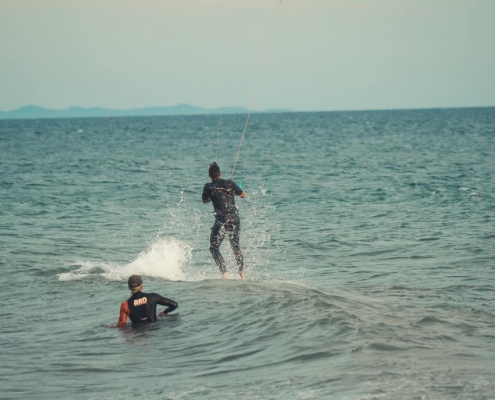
(212, 111)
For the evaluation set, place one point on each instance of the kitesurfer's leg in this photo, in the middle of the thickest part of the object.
(234, 243)
(216, 239)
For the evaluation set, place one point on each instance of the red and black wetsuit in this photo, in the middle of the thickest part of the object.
(141, 307)
(221, 192)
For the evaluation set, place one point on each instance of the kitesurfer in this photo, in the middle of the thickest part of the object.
(221, 192)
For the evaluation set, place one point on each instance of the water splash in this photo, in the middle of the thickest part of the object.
(164, 259)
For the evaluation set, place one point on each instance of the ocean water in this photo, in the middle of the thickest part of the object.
(369, 243)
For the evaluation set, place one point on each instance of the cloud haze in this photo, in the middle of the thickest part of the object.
(301, 54)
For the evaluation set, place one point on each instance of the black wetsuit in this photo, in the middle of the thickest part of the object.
(142, 306)
(221, 192)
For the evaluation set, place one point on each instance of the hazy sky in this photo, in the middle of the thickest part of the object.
(301, 54)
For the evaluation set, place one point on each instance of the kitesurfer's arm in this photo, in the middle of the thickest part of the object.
(238, 191)
(171, 305)
(124, 312)
(206, 194)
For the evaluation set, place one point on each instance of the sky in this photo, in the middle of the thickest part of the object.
(303, 55)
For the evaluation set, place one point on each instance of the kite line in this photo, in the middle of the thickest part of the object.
(253, 97)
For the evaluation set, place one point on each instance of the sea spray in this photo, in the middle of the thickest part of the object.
(164, 258)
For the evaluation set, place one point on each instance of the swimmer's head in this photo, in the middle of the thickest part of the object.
(135, 283)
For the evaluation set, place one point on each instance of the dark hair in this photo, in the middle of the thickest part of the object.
(214, 171)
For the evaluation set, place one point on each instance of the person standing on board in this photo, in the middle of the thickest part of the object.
(141, 307)
(221, 192)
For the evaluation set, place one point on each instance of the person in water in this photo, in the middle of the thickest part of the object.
(221, 192)
(141, 307)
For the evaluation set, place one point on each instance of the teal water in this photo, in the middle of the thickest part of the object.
(369, 245)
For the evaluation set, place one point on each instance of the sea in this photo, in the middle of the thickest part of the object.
(368, 240)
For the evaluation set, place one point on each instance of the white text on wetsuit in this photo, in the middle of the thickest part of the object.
(141, 301)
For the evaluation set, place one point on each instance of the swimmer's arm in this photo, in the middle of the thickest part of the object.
(171, 305)
(124, 312)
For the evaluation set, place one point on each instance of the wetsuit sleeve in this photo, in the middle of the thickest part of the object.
(206, 194)
(237, 189)
(171, 305)
(124, 313)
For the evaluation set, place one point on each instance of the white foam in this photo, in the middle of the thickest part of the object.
(164, 258)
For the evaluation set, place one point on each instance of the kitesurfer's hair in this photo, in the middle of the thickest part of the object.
(214, 171)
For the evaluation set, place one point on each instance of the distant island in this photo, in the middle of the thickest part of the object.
(81, 112)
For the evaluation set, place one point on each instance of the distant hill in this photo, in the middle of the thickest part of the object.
(80, 112)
